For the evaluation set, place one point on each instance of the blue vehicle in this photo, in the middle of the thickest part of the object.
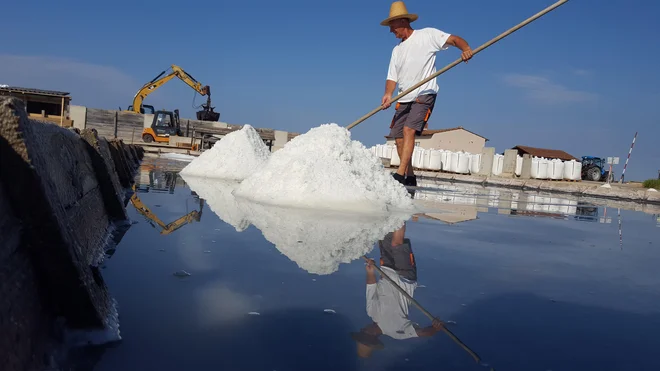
(593, 168)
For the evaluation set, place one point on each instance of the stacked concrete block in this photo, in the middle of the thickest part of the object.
(60, 195)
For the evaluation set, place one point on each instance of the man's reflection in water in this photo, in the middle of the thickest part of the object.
(386, 306)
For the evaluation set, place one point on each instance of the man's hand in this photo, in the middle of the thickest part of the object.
(437, 324)
(386, 102)
(371, 266)
(467, 54)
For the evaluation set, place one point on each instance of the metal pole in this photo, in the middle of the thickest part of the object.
(627, 159)
(459, 60)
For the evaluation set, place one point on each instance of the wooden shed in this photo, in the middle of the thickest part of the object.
(44, 105)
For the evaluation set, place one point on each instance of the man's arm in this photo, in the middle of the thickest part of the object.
(430, 330)
(371, 272)
(389, 90)
(460, 43)
(390, 82)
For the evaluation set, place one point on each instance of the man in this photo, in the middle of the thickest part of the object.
(413, 60)
(386, 306)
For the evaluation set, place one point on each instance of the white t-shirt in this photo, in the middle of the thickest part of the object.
(413, 60)
(389, 308)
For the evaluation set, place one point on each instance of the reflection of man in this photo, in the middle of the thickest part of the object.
(386, 306)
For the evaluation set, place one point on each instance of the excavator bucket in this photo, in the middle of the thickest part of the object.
(207, 114)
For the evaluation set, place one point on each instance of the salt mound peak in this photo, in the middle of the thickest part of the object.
(234, 157)
(325, 169)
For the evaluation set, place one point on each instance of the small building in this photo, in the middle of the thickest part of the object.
(452, 139)
(43, 105)
(544, 152)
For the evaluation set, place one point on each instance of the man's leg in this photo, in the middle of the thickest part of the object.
(408, 146)
(417, 120)
(397, 132)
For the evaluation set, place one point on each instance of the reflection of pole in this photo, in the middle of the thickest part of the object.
(627, 159)
(426, 312)
(620, 234)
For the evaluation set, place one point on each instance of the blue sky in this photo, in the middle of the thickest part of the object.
(583, 78)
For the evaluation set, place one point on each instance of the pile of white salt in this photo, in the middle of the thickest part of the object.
(324, 169)
(236, 156)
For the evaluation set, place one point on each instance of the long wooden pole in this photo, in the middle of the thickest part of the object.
(426, 312)
(458, 61)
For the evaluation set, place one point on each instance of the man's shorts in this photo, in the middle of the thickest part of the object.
(398, 258)
(414, 114)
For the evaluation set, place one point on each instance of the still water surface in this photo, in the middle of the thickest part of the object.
(525, 281)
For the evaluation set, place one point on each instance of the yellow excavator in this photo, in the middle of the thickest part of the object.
(206, 114)
(170, 227)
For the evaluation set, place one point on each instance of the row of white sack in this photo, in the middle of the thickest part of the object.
(468, 163)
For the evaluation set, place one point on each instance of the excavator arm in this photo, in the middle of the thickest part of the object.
(170, 227)
(162, 78)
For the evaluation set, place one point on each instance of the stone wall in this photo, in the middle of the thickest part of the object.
(62, 194)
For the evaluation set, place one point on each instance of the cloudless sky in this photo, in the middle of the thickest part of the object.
(582, 78)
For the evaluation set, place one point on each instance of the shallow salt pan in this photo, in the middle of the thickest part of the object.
(325, 169)
(235, 157)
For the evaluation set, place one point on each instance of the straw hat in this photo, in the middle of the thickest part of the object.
(398, 10)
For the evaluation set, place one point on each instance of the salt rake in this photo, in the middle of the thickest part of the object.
(428, 314)
(458, 61)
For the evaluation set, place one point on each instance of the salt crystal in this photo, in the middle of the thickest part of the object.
(236, 156)
(324, 168)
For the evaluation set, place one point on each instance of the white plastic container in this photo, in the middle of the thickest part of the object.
(519, 163)
(572, 170)
(426, 159)
(452, 158)
(395, 160)
(387, 151)
(435, 160)
(556, 169)
(444, 158)
(463, 163)
(475, 163)
(417, 159)
(498, 164)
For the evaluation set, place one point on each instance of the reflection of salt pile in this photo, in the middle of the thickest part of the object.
(324, 168)
(218, 197)
(234, 157)
(319, 242)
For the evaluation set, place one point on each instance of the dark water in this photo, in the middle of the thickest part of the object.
(525, 288)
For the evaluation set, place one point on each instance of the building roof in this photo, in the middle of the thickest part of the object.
(430, 133)
(16, 89)
(545, 152)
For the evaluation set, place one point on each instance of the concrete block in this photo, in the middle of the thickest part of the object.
(526, 172)
(124, 172)
(281, 138)
(79, 116)
(509, 167)
(51, 188)
(111, 190)
(487, 157)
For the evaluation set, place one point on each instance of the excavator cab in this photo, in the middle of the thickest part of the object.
(146, 108)
(164, 124)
